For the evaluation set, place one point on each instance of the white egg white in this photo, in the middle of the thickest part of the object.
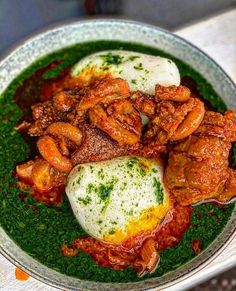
(116, 199)
(141, 71)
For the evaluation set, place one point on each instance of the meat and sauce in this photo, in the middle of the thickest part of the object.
(102, 121)
(139, 252)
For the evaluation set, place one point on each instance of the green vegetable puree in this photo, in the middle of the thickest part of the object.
(40, 230)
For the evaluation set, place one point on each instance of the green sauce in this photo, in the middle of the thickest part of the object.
(41, 230)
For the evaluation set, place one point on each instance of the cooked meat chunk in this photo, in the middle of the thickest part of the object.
(96, 146)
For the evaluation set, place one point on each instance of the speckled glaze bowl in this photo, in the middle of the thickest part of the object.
(82, 31)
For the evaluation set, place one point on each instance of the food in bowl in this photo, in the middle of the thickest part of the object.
(117, 199)
(134, 145)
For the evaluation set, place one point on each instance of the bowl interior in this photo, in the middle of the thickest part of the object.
(83, 31)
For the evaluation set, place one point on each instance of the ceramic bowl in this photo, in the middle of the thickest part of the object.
(83, 31)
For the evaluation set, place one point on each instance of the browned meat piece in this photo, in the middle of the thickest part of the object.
(172, 93)
(46, 183)
(64, 101)
(173, 112)
(105, 91)
(230, 187)
(96, 146)
(198, 167)
(40, 174)
(121, 121)
(44, 114)
(144, 103)
(24, 172)
(149, 149)
(66, 130)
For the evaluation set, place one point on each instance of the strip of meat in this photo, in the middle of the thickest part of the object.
(121, 121)
(67, 130)
(149, 258)
(104, 91)
(172, 93)
(50, 152)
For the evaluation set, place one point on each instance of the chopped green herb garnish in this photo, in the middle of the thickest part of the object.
(85, 200)
(90, 188)
(110, 59)
(132, 162)
(105, 68)
(101, 174)
(111, 231)
(104, 191)
(142, 172)
(124, 186)
(158, 190)
(132, 58)
(78, 180)
(138, 66)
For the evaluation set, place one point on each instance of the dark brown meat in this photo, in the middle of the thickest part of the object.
(96, 146)
(44, 114)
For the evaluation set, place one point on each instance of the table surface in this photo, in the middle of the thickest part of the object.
(216, 36)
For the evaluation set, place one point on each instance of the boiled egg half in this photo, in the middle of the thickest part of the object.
(117, 199)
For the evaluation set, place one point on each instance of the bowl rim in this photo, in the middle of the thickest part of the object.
(57, 26)
(70, 22)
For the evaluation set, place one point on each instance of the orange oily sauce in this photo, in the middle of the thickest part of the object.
(21, 275)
